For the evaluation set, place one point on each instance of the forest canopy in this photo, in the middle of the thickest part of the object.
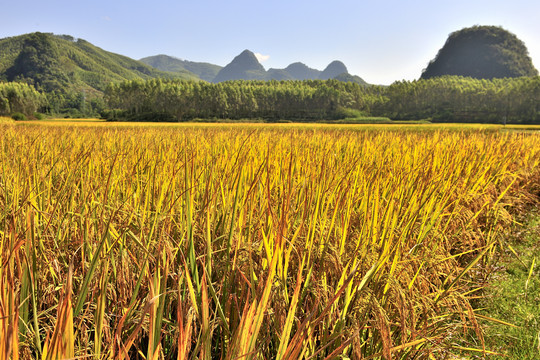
(20, 98)
(271, 100)
(442, 99)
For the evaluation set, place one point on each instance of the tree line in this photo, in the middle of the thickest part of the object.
(272, 100)
(441, 99)
(459, 99)
(20, 98)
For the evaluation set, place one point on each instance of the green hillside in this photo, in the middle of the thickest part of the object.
(351, 78)
(482, 52)
(205, 71)
(62, 63)
(300, 71)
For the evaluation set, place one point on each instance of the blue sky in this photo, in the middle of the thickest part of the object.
(381, 41)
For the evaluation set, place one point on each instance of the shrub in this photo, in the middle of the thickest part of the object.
(18, 116)
(152, 117)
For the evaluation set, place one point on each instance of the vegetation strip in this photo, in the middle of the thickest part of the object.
(512, 293)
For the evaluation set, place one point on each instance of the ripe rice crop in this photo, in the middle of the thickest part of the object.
(251, 242)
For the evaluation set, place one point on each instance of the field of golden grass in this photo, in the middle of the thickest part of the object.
(184, 241)
(6, 120)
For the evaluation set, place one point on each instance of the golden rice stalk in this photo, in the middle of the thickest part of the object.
(9, 307)
(184, 331)
(9, 316)
(61, 345)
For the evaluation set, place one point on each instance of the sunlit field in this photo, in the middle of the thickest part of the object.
(253, 241)
(6, 120)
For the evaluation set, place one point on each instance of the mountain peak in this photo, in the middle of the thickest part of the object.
(248, 61)
(333, 69)
(247, 52)
(244, 66)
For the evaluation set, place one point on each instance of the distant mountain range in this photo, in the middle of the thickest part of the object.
(246, 66)
(65, 64)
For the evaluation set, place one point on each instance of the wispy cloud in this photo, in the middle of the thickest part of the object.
(261, 57)
(106, 18)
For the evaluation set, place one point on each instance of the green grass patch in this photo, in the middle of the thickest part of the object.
(513, 295)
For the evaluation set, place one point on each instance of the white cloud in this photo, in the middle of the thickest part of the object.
(261, 57)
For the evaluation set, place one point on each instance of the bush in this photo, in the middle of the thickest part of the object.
(347, 113)
(113, 115)
(152, 117)
(18, 116)
(363, 120)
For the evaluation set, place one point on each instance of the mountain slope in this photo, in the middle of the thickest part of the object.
(482, 52)
(205, 71)
(301, 71)
(345, 77)
(279, 74)
(243, 67)
(62, 63)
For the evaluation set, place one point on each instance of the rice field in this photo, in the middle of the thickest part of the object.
(202, 241)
